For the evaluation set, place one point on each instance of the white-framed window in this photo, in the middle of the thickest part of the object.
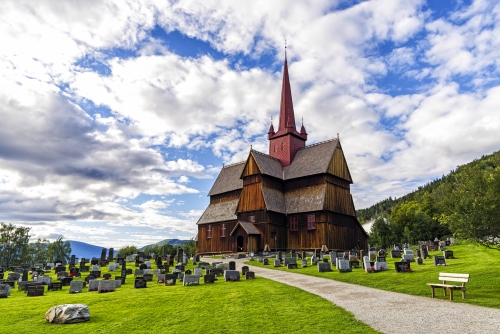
(209, 232)
(294, 223)
(311, 222)
(223, 231)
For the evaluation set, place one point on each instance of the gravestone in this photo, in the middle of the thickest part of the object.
(448, 254)
(232, 275)
(353, 256)
(303, 255)
(138, 272)
(232, 265)
(184, 258)
(417, 252)
(381, 264)
(439, 260)
(140, 283)
(84, 269)
(292, 266)
(112, 266)
(158, 262)
(187, 272)
(180, 277)
(244, 269)
(419, 260)
(45, 280)
(424, 252)
(106, 276)
(148, 277)
(249, 275)
(372, 255)
(402, 266)
(66, 281)
(290, 260)
(111, 254)
(277, 262)
(147, 271)
(103, 254)
(333, 256)
(95, 267)
(35, 290)
(191, 280)
(72, 261)
(76, 287)
(294, 254)
(54, 286)
(118, 283)
(324, 267)
(317, 253)
(395, 254)
(148, 264)
(314, 260)
(96, 274)
(367, 265)
(304, 263)
(94, 261)
(170, 279)
(408, 255)
(12, 284)
(382, 252)
(106, 286)
(13, 277)
(160, 278)
(343, 266)
(180, 267)
(121, 278)
(266, 261)
(180, 254)
(209, 279)
(4, 290)
(93, 285)
(198, 272)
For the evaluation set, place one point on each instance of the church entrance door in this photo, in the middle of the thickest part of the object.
(239, 244)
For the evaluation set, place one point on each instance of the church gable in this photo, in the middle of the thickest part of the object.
(311, 160)
(338, 165)
(228, 179)
(251, 167)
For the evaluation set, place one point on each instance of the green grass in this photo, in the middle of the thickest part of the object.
(252, 306)
(481, 263)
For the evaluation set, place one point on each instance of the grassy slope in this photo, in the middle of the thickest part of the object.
(481, 263)
(258, 305)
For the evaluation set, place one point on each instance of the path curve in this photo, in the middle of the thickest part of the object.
(391, 312)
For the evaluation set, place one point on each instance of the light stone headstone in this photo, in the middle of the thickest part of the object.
(161, 278)
(107, 286)
(277, 262)
(333, 256)
(191, 280)
(344, 265)
(314, 260)
(93, 285)
(44, 279)
(290, 260)
(366, 263)
(76, 287)
(118, 283)
(304, 263)
(198, 272)
(148, 264)
(95, 267)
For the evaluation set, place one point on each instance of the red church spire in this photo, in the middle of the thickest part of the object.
(287, 140)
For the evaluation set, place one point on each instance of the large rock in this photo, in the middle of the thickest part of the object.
(68, 314)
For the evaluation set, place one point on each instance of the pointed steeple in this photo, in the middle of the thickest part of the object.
(287, 115)
(270, 133)
(303, 132)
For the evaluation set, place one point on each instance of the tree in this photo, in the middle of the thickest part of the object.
(473, 206)
(381, 233)
(59, 250)
(13, 244)
(38, 251)
(128, 250)
(189, 247)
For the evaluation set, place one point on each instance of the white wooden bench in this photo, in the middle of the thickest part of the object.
(450, 277)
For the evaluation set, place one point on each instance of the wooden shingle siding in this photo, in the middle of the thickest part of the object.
(338, 199)
(338, 165)
(251, 198)
(229, 196)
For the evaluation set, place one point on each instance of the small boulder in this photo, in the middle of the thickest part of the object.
(68, 314)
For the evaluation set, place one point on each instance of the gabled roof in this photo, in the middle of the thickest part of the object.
(267, 164)
(247, 226)
(311, 160)
(228, 179)
(274, 200)
(305, 199)
(219, 212)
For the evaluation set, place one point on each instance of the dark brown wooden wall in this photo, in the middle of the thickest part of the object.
(338, 199)
(338, 165)
(216, 244)
(225, 196)
(251, 198)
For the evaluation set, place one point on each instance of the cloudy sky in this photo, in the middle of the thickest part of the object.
(117, 116)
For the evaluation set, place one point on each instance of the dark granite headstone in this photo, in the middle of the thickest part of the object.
(111, 254)
(209, 278)
(249, 275)
(103, 254)
(140, 283)
(439, 261)
(170, 279)
(266, 261)
(35, 290)
(244, 269)
(402, 266)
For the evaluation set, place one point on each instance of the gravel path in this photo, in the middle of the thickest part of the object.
(391, 312)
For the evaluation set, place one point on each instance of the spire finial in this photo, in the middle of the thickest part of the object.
(285, 49)
(302, 120)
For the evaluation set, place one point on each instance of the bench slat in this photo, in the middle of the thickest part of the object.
(453, 279)
(455, 275)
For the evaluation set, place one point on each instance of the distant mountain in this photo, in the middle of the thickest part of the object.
(82, 249)
(173, 242)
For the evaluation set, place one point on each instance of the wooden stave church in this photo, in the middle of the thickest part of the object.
(296, 197)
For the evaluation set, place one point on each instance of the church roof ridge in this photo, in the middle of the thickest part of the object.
(319, 143)
(232, 165)
(266, 155)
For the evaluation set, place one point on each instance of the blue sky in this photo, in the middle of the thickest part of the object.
(117, 116)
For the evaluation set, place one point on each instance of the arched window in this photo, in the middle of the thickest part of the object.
(282, 146)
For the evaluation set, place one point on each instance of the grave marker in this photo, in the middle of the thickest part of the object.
(233, 275)
(191, 280)
(324, 267)
(106, 286)
(439, 260)
(170, 279)
(35, 290)
(249, 275)
(343, 266)
(292, 266)
(4, 290)
(198, 272)
(76, 287)
(140, 283)
(402, 266)
(93, 285)
(209, 278)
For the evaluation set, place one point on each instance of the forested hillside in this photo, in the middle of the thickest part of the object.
(465, 203)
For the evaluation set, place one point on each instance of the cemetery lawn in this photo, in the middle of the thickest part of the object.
(252, 306)
(480, 262)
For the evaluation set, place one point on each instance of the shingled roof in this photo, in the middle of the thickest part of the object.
(247, 226)
(219, 212)
(311, 160)
(267, 164)
(228, 179)
(305, 199)
(274, 200)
